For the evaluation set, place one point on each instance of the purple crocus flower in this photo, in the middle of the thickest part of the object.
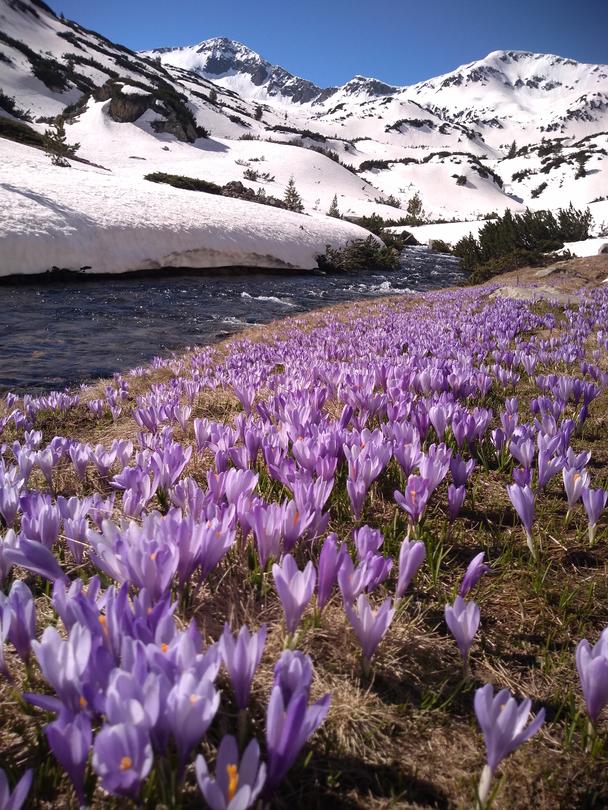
(462, 618)
(295, 589)
(522, 476)
(411, 556)
(14, 800)
(461, 470)
(267, 524)
(41, 520)
(9, 501)
(241, 657)
(292, 672)
(547, 468)
(191, 706)
(35, 557)
(23, 619)
(438, 416)
(522, 499)
(132, 698)
(367, 540)
(592, 666)
(456, 496)
(289, 724)
(330, 561)
(575, 480)
(70, 741)
(414, 499)
(475, 570)
(370, 625)
(503, 723)
(122, 758)
(524, 451)
(366, 576)
(238, 780)
(63, 663)
(594, 501)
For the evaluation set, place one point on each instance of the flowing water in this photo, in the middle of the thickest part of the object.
(55, 333)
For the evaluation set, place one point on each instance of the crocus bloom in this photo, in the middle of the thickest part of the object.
(367, 575)
(547, 468)
(503, 723)
(292, 672)
(5, 626)
(411, 557)
(574, 482)
(366, 540)
(288, 726)
(594, 501)
(191, 706)
(330, 561)
(63, 663)
(414, 499)
(295, 589)
(23, 620)
(369, 625)
(14, 800)
(70, 741)
(463, 620)
(592, 666)
(456, 496)
(267, 524)
(122, 757)
(522, 499)
(33, 556)
(238, 780)
(475, 570)
(241, 657)
(461, 470)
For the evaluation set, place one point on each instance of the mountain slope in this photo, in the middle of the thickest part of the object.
(219, 112)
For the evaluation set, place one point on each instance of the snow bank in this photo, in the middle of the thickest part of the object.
(588, 247)
(449, 232)
(87, 218)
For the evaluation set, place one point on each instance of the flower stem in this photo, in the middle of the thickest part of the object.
(532, 546)
(483, 788)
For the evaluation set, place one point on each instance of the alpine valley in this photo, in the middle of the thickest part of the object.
(512, 130)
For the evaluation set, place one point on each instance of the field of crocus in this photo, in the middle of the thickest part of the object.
(357, 559)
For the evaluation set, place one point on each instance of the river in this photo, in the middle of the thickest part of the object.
(55, 334)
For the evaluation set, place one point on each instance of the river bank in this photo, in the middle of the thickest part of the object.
(51, 331)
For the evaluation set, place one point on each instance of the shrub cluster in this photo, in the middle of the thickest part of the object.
(362, 254)
(20, 132)
(232, 189)
(504, 243)
(9, 104)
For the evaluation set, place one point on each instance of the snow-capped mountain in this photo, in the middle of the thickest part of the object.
(495, 95)
(510, 130)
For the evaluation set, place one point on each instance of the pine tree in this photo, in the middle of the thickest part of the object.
(512, 151)
(292, 199)
(334, 211)
(415, 210)
(56, 146)
(581, 171)
(213, 96)
(259, 112)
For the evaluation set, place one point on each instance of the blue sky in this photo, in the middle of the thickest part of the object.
(330, 41)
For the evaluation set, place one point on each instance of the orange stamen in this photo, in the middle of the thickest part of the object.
(233, 781)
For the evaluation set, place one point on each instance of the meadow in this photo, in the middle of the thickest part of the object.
(355, 559)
